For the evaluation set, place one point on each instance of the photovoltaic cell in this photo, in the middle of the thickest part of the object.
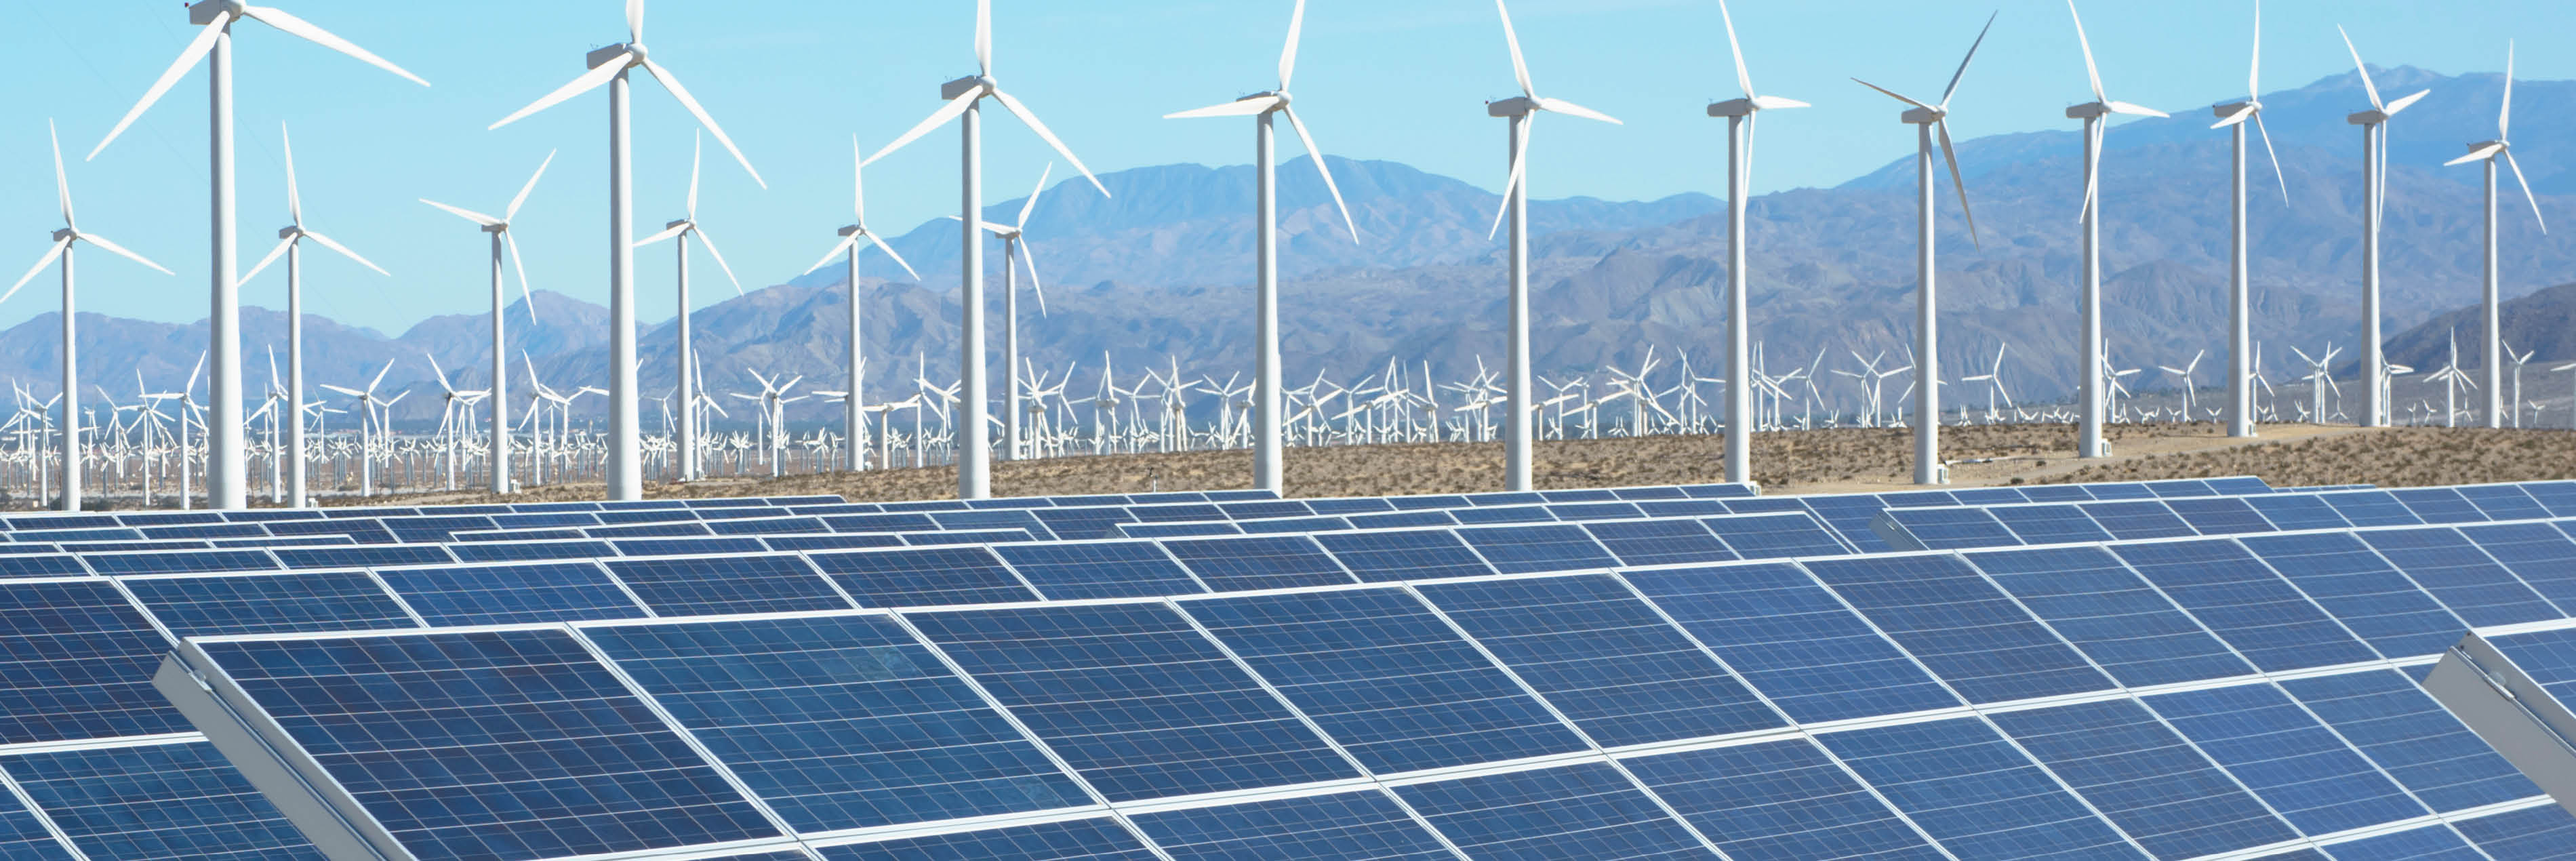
(923, 577)
(855, 541)
(266, 603)
(1951, 528)
(966, 536)
(838, 722)
(76, 662)
(2451, 567)
(2548, 657)
(2428, 843)
(562, 591)
(526, 551)
(23, 838)
(2362, 591)
(489, 745)
(2249, 606)
(1503, 514)
(1775, 536)
(2438, 505)
(1779, 799)
(1794, 641)
(2400, 727)
(2145, 778)
(1586, 810)
(2503, 502)
(998, 519)
(1364, 824)
(1259, 562)
(2220, 515)
(2529, 834)
(1098, 839)
(2370, 508)
(688, 546)
(717, 585)
(1107, 569)
(2281, 752)
(2129, 521)
(1967, 631)
(1133, 698)
(1527, 549)
(2116, 619)
(156, 801)
(1402, 519)
(42, 565)
(2538, 553)
(181, 562)
(1424, 554)
(1660, 542)
(2296, 511)
(362, 556)
(1976, 794)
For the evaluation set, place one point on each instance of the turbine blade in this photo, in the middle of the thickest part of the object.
(1961, 185)
(634, 20)
(2366, 86)
(51, 254)
(666, 233)
(881, 245)
(984, 36)
(1893, 94)
(522, 197)
(1512, 180)
(1237, 108)
(2254, 70)
(2526, 191)
(1288, 55)
(837, 248)
(1571, 109)
(2092, 173)
(2402, 102)
(858, 184)
(467, 214)
(2475, 155)
(281, 19)
(1520, 68)
(526, 295)
(1771, 102)
(328, 242)
(672, 83)
(2275, 156)
(62, 180)
(2504, 114)
(294, 201)
(1743, 79)
(2134, 110)
(197, 47)
(1317, 156)
(1031, 120)
(2241, 114)
(371, 384)
(710, 245)
(1031, 204)
(587, 82)
(1953, 89)
(1028, 259)
(273, 255)
(697, 153)
(2090, 72)
(120, 251)
(937, 118)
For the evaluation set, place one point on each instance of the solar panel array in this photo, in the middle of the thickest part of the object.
(1954, 527)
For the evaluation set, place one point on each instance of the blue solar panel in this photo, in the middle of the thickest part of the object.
(1503, 514)
(2145, 778)
(2428, 843)
(525, 551)
(2220, 515)
(1586, 810)
(1603, 658)
(1083, 524)
(1683, 507)
(23, 838)
(794, 543)
(1402, 519)
(2183, 487)
(2253, 609)
(1424, 554)
(2119, 621)
(363, 556)
(2538, 553)
(1134, 699)
(1961, 627)
(681, 529)
(688, 546)
(1849, 516)
(494, 744)
(2557, 496)
(2529, 834)
(2451, 567)
(364, 531)
(76, 661)
(1078, 840)
(998, 519)
(2503, 502)
(2400, 727)
(156, 801)
(1259, 562)
(966, 536)
(266, 603)
(1176, 513)
(2370, 508)
(838, 722)
(2130, 521)
(1780, 799)
(1794, 641)
(2130, 490)
(769, 526)
(181, 562)
(1412, 503)
(1775, 536)
(43, 565)
(1108, 569)
(1177, 530)
(1949, 528)
(2361, 591)
(543, 520)
(1583, 511)
(1365, 824)
(1527, 549)
(1976, 794)
(880, 523)
(1293, 525)
(2438, 505)
(561, 591)
(2296, 511)
(2281, 752)
(923, 577)
(1659, 542)
(207, 530)
(717, 585)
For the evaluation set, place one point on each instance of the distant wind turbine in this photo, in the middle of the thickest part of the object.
(2240, 318)
(291, 245)
(682, 229)
(1742, 116)
(850, 244)
(2096, 115)
(1016, 250)
(499, 230)
(2487, 152)
(2374, 190)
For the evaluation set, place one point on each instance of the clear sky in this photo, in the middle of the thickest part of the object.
(793, 80)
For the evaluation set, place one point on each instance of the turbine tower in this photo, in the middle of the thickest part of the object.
(1522, 110)
(226, 479)
(685, 436)
(1929, 121)
(2487, 152)
(1742, 117)
(499, 230)
(2096, 115)
(1269, 445)
(2243, 358)
(611, 66)
(2374, 190)
(291, 245)
(965, 97)
(1016, 252)
(851, 234)
(62, 250)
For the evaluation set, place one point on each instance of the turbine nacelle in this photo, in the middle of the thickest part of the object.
(853, 230)
(210, 11)
(970, 84)
(65, 233)
(1922, 116)
(1516, 106)
(632, 52)
(289, 232)
(1746, 106)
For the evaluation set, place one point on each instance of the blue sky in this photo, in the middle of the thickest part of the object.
(793, 80)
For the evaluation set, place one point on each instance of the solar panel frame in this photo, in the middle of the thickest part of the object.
(192, 605)
(1964, 629)
(1079, 570)
(728, 584)
(1793, 640)
(923, 577)
(2146, 778)
(497, 593)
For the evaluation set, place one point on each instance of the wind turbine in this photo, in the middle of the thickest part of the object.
(682, 229)
(1742, 116)
(1927, 120)
(2185, 373)
(2240, 325)
(2487, 152)
(1268, 442)
(2096, 115)
(290, 244)
(1015, 249)
(610, 66)
(499, 230)
(1521, 110)
(62, 250)
(2374, 190)
(965, 103)
(851, 234)
(368, 407)
(225, 479)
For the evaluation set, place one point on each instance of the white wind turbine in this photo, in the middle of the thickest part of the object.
(1994, 380)
(1742, 116)
(1927, 121)
(2096, 115)
(2487, 152)
(2240, 320)
(62, 250)
(682, 229)
(610, 66)
(1016, 249)
(2374, 189)
(290, 245)
(856, 358)
(2184, 374)
(499, 230)
(1522, 110)
(965, 103)
(369, 414)
(225, 479)
(1269, 444)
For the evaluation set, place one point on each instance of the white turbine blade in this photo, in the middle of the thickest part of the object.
(835, 253)
(51, 254)
(273, 255)
(197, 47)
(881, 245)
(350, 392)
(294, 201)
(2134, 110)
(1512, 180)
(2241, 114)
(1288, 55)
(937, 118)
(2092, 174)
(1317, 156)
(697, 150)
(2476, 154)
(328, 242)
(2402, 102)
(587, 82)
(984, 36)
(62, 180)
(1031, 204)
(668, 232)
(525, 294)
(990, 227)
(1742, 79)
(120, 251)
(1571, 109)
(1238, 108)
(1947, 154)
(1520, 68)
(710, 245)
(467, 214)
(1031, 120)
(2090, 72)
(433, 368)
(1893, 94)
(634, 20)
(2275, 156)
(2366, 86)
(2504, 114)
(671, 83)
(281, 19)
(1028, 259)
(522, 197)
(1953, 89)
(1771, 102)
(1752, 128)
(380, 375)
(2254, 70)
(2526, 191)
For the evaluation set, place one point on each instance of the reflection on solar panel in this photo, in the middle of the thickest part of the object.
(2282, 753)
(924, 577)
(155, 801)
(2145, 778)
(76, 662)
(1077, 840)
(1960, 627)
(263, 603)
(1577, 811)
(720, 585)
(2412, 738)
(1975, 792)
(1425, 554)
(1266, 562)
(1780, 799)
(1107, 569)
(1365, 824)
(503, 594)
(1794, 641)
(2116, 619)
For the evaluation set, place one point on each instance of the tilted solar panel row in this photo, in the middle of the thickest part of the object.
(1952, 528)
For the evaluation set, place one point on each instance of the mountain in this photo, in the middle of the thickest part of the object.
(2543, 323)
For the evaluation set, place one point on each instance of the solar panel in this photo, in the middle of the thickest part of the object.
(2438, 505)
(2219, 515)
(1973, 791)
(1133, 698)
(1603, 658)
(22, 836)
(1503, 514)
(285, 541)
(2503, 502)
(1354, 505)
(2370, 508)
(1099, 839)
(179, 562)
(719, 585)
(1357, 662)
(44, 565)
(1795, 642)
(1293, 525)
(266, 603)
(1780, 799)
(687, 546)
(526, 551)
(2115, 618)
(966, 536)
(685, 529)
(559, 591)
(1682, 507)
(1659, 542)
(792, 543)
(1411, 503)
(1177, 530)
(1107, 569)
(1079, 524)
(2539, 554)
(2449, 566)
(1960, 627)
(488, 744)
(2428, 843)
(1594, 511)
(364, 531)
(880, 523)
(1587, 810)
(2380, 605)
(1420, 554)
(2268, 622)
(838, 722)
(2286, 756)
(2530, 833)
(155, 801)
(2145, 778)
(1002, 519)
(2296, 511)
(207, 530)
(2130, 521)
(2557, 496)
(76, 662)
(769, 526)
(1775, 536)
(362, 556)
(924, 577)
(1941, 529)
(1365, 824)
(2412, 738)
(1259, 562)
(1401, 519)
(1528, 549)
